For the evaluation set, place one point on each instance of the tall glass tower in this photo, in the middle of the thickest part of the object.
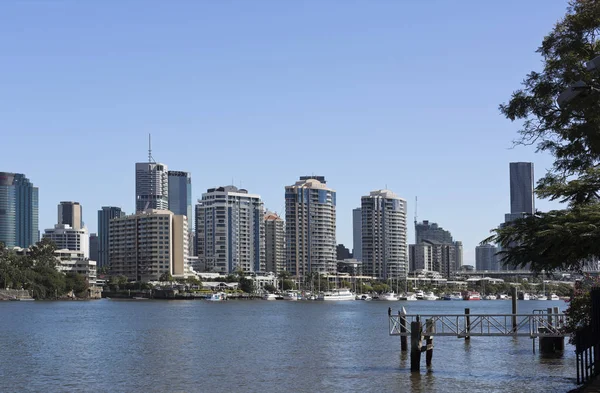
(180, 194)
(521, 188)
(18, 210)
(106, 214)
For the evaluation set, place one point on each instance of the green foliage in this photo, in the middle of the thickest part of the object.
(579, 311)
(561, 239)
(346, 284)
(76, 283)
(381, 288)
(270, 288)
(193, 281)
(246, 284)
(166, 277)
(288, 285)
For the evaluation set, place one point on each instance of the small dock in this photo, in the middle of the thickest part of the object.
(546, 325)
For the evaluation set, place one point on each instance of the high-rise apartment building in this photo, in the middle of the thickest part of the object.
(357, 234)
(151, 186)
(384, 239)
(446, 254)
(421, 257)
(486, 258)
(148, 244)
(70, 213)
(105, 214)
(18, 211)
(230, 230)
(274, 243)
(180, 194)
(67, 238)
(310, 228)
(521, 188)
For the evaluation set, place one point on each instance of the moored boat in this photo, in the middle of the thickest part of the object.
(489, 297)
(365, 297)
(430, 296)
(553, 296)
(419, 294)
(453, 296)
(217, 297)
(270, 296)
(338, 294)
(471, 295)
(390, 297)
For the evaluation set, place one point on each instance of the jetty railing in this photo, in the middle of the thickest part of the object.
(472, 325)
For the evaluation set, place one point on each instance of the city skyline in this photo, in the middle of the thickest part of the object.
(335, 97)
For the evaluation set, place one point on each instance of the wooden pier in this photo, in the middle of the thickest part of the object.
(546, 325)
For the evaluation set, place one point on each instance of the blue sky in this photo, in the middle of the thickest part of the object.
(366, 93)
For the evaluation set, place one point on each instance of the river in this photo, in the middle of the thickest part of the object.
(257, 346)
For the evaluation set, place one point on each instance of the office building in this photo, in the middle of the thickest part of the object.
(151, 186)
(384, 239)
(94, 243)
(180, 194)
(67, 238)
(148, 244)
(274, 243)
(342, 252)
(230, 231)
(459, 254)
(486, 258)
(18, 211)
(446, 254)
(310, 219)
(105, 214)
(431, 231)
(70, 213)
(357, 234)
(521, 188)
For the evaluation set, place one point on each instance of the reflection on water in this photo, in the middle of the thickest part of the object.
(196, 346)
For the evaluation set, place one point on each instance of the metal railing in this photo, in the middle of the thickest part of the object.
(527, 325)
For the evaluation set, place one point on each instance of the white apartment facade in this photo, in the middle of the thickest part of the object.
(384, 235)
(310, 223)
(230, 231)
(68, 238)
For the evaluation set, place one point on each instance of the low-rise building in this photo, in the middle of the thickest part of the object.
(75, 262)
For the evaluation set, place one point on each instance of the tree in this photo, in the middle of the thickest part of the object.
(270, 288)
(246, 284)
(569, 129)
(166, 276)
(77, 283)
(288, 285)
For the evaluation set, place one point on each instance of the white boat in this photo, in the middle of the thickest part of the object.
(503, 296)
(390, 297)
(365, 297)
(217, 297)
(337, 294)
(489, 297)
(524, 296)
(419, 294)
(430, 296)
(270, 296)
(553, 296)
(453, 296)
(407, 297)
(292, 295)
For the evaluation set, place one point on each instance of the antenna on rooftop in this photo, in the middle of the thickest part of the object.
(416, 209)
(150, 161)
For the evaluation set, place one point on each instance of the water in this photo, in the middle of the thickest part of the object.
(257, 346)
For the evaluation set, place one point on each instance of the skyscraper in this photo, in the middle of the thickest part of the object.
(274, 243)
(151, 186)
(431, 231)
(69, 213)
(384, 239)
(94, 247)
(148, 244)
(357, 234)
(521, 188)
(180, 194)
(310, 228)
(230, 230)
(486, 258)
(105, 214)
(18, 211)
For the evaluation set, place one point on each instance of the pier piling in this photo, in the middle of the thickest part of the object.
(415, 346)
(513, 292)
(467, 323)
(430, 328)
(403, 339)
